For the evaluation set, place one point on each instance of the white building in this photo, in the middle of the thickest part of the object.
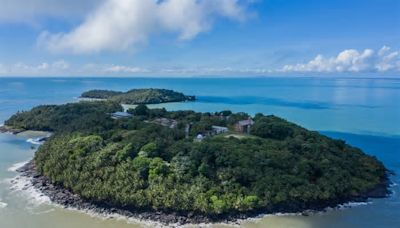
(219, 129)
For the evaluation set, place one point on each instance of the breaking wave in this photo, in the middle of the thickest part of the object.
(16, 166)
(35, 141)
(22, 185)
(2, 204)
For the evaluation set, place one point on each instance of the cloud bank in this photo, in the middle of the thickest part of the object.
(120, 24)
(351, 60)
(375, 62)
(42, 69)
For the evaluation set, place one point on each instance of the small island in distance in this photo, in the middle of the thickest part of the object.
(190, 167)
(139, 96)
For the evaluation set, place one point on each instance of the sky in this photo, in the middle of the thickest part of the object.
(200, 38)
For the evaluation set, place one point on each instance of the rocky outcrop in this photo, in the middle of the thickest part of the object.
(7, 129)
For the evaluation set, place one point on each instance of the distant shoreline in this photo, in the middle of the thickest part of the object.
(67, 199)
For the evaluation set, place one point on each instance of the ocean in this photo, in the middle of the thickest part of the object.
(363, 112)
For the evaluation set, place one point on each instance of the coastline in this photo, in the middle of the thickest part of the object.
(64, 197)
(7, 129)
(15, 131)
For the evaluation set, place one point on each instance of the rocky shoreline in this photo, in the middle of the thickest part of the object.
(67, 199)
(7, 129)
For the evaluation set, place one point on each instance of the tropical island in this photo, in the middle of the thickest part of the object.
(190, 167)
(138, 96)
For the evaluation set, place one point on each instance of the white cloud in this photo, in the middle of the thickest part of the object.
(3, 69)
(190, 17)
(351, 60)
(383, 60)
(43, 66)
(94, 69)
(62, 65)
(120, 24)
(215, 71)
(124, 69)
(62, 68)
(22, 69)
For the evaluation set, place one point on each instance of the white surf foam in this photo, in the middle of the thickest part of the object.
(16, 166)
(2, 204)
(34, 141)
(5, 181)
(23, 186)
(129, 220)
(43, 212)
(256, 219)
(353, 204)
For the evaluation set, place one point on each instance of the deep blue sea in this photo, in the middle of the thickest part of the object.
(363, 112)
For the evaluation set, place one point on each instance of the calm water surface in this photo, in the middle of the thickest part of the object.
(364, 112)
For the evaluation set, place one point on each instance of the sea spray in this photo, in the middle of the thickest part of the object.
(35, 141)
(16, 166)
(353, 204)
(2, 204)
(23, 186)
(44, 212)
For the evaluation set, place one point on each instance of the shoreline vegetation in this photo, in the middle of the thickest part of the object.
(67, 199)
(186, 167)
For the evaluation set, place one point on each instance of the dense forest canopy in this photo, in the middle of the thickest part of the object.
(139, 96)
(138, 163)
(69, 117)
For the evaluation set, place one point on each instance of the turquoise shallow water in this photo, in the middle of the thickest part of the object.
(364, 112)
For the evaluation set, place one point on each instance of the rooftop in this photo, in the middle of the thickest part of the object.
(246, 122)
(121, 114)
(219, 127)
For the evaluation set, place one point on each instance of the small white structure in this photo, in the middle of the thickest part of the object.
(166, 122)
(199, 138)
(219, 130)
(119, 115)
